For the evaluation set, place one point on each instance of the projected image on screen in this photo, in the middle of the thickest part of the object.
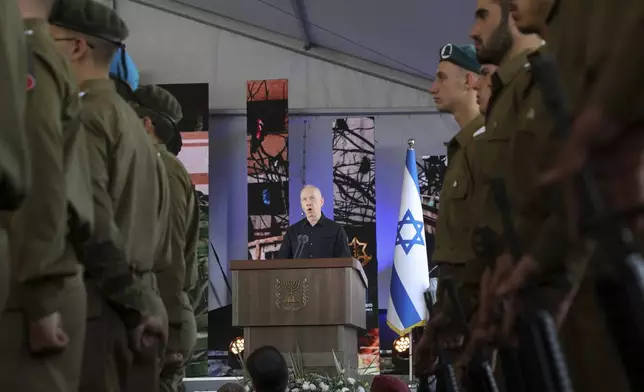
(354, 207)
(267, 166)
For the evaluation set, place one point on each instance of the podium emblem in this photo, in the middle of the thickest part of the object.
(291, 295)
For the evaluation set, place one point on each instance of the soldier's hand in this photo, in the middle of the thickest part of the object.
(526, 268)
(590, 126)
(47, 335)
(173, 360)
(424, 356)
(148, 333)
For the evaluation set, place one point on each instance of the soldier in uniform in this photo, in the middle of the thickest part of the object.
(125, 315)
(14, 165)
(43, 328)
(593, 359)
(161, 112)
(513, 148)
(483, 87)
(453, 92)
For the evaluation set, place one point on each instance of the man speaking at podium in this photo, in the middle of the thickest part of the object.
(315, 236)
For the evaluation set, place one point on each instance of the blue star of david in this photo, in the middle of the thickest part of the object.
(408, 219)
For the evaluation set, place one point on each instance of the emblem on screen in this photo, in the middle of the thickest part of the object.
(359, 251)
(291, 295)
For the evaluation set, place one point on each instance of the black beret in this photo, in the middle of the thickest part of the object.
(91, 18)
(462, 55)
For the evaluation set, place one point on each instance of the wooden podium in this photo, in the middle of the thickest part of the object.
(316, 304)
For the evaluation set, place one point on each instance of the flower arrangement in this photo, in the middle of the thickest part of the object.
(302, 381)
(313, 382)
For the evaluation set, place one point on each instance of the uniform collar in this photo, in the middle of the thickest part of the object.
(511, 67)
(467, 133)
(97, 85)
(160, 147)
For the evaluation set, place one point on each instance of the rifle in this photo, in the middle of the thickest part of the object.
(621, 289)
(479, 371)
(539, 355)
(488, 246)
(445, 375)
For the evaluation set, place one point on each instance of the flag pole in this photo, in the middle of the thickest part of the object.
(411, 143)
(411, 359)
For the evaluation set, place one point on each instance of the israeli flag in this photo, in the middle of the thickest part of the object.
(410, 276)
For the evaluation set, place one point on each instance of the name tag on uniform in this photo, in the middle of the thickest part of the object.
(479, 132)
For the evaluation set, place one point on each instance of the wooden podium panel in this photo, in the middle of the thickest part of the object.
(317, 305)
(298, 292)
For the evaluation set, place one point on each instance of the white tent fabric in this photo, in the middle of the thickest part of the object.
(169, 48)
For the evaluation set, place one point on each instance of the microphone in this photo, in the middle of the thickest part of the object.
(301, 241)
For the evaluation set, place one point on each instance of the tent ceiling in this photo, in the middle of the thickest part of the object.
(405, 35)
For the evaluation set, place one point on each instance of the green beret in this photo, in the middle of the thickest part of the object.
(91, 18)
(160, 101)
(462, 55)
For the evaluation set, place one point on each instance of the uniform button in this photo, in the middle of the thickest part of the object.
(454, 184)
(494, 124)
(310, 243)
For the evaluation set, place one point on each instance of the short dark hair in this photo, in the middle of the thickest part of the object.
(103, 51)
(268, 370)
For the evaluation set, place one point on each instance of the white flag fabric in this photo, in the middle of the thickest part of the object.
(410, 275)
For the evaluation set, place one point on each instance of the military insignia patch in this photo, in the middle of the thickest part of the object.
(31, 79)
(31, 82)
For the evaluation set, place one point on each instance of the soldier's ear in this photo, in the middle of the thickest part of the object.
(148, 125)
(80, 49)
(470, 80)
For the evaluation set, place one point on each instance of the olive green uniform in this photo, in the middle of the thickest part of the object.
(180, 277)
(158, 104)
(453, 244)
(598, 67)
(14, 163)
(127, 206)
(54, 219)
(121, 255)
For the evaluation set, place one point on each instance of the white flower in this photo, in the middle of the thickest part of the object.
(312, 387)
(351, 380)
(247, 388)
(324, 387)
(295, 390)
(306, 386)
(345, 389)
(361, 389)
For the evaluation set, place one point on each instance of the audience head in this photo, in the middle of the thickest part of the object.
(383, 383)
(268, 370)
(231, 387)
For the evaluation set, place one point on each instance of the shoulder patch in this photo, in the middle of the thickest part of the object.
(31, 78)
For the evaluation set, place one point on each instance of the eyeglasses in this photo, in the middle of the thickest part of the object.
(70, 39)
